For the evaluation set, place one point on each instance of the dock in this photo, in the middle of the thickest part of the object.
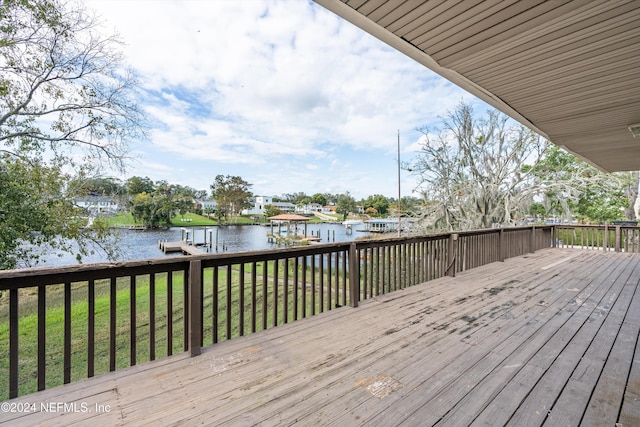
(185, 247)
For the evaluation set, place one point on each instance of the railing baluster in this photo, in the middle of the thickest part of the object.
(254, 289)
(304, 286)
(337, 279)
(329, 280)
(215, 318)
(132, 320)
(275, 291)
(285, 292)
(265, 278)
(42, 337)
(91, 326)
(241, 300)
(169, 313)
(112, 324)
(67, 333)
(321, 275)
(152, 316)
(296, 277)
(13, 343)
(313, 285)
(229, 302)
(344, 276)
(185, 316)
(378, 273)
(362, 254)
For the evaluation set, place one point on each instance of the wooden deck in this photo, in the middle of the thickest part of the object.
(549, 338)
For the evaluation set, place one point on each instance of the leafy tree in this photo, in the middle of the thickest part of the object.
(378, 202)
(232, 195)
(36, 217)
(156, 208)
(98, 186)
(270, 210)
(319, 198)
(570, 187)
(136, 185)
(346, 205)
(371, 211)
(66, 111)
(295, 198)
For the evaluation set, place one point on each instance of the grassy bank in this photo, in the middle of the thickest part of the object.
(125, 219)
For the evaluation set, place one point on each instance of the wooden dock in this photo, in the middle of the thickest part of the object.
(549, 338)
(184, 247)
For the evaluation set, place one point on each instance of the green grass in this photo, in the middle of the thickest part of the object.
(28, 319)
(125, 219)
(192, 220)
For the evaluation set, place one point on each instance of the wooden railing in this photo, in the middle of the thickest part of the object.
(60, 325)
(598, 237)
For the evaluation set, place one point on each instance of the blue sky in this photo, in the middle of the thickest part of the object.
(282, 93)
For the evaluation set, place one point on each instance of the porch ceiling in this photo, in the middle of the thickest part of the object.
(568, 69)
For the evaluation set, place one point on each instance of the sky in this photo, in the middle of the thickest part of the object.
(284, 94)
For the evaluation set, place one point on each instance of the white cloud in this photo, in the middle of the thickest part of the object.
(283, 93)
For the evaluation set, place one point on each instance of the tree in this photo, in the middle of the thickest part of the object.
(232, 195)
(66, 110)
(472, 170)
(136, 185)
(319, 198)
(573, 188)
(98, 186)
(270, 210)
(478, 172)
(346, 204)
(379, 202)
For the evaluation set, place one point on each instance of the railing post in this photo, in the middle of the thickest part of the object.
(605, 240)
(195, 307)
(354, 275)
(501, 245)
(618, 239)
(554, 236)
(453, 243)
(532, 240)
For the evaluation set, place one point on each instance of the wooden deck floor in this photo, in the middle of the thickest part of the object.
(546, 339)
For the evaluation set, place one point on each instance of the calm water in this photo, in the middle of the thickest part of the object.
(144, 244)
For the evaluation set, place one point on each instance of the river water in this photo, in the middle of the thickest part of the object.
(136, 244)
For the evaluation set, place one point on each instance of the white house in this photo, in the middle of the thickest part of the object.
(206, 205)
(97, 204)
(260, 202)
(308, 208)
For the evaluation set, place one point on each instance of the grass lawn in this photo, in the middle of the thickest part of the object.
(125, 219)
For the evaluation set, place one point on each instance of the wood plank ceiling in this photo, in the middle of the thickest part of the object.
(568, 69)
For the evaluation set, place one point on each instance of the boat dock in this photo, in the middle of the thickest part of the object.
(184, 247)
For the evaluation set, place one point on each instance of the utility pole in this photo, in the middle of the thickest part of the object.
(399, 210)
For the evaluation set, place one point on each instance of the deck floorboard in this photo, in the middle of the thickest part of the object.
(551, 337)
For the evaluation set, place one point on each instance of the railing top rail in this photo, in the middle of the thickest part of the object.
(22, 278)
(598, 227)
